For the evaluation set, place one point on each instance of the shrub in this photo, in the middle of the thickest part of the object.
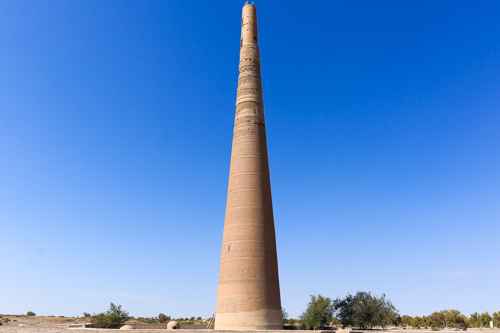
(86, 314)
(30, 313)
(163, 318)
(436, 328)
(100, 320)
(6, 320)
(114, 316)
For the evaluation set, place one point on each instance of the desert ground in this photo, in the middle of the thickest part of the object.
(32, 324)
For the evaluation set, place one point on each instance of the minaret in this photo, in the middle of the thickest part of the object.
(249, 294)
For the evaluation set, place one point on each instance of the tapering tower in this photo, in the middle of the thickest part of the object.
(249, 294)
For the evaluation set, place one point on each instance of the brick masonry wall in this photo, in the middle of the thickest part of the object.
(249, 295)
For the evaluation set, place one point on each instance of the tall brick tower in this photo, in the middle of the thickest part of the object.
(249, 294)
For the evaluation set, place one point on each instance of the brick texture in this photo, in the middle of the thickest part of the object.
(249, 295)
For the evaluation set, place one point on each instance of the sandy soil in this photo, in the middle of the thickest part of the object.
(40, 324)
(37, 324)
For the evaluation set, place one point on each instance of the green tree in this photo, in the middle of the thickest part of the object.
(99, 320)
(452, 317)
(114, 316)
(284, 314)
(319, 312)
(417, 322)
(335, 321)
(373, 311)
(162, 318)
(426, 321)
(496, 319)
(484, 319)
(406, 320)
(365, 310)
(30, 313)
(396, 321)
(461, 322)
(474, 320)
(437, 319)
(345, 310)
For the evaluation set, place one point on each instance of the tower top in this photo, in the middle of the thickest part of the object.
(249, 24)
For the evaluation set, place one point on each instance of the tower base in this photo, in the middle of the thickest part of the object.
(250, 320)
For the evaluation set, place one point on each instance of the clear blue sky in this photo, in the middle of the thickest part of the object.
(115, 135)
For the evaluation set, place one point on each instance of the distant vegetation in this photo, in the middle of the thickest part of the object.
(365, 311)
(163, 318)
(450, 319)
(30, 313)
